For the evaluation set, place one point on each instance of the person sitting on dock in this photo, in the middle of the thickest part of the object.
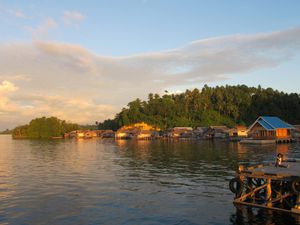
(279, 160)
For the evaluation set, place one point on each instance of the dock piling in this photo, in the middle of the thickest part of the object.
(267, 186)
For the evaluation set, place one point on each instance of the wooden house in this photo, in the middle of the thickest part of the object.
(144, 135)
(270, 128)
(107, 134)
(137, 130)
(76, 134)
(125, 134)
(296, 132)
(199, 132)
(139, 126)
(178, 132)
(90, 134)
(238, 131)
(82, 134)
(216, 132)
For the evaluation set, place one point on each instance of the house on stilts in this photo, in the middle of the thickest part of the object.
(269, 129)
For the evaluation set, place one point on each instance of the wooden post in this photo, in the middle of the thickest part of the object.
(279, 192)
(250, 188)
(297, 205)
(296, 208)
(269, 193)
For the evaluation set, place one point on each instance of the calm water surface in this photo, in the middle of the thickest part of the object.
(128, 182)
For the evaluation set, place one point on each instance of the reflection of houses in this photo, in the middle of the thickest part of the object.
(181, 132)
(283, 149)
(270, 128)
(137, 130)
(217, 132)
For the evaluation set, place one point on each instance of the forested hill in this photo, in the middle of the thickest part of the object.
(221, 105)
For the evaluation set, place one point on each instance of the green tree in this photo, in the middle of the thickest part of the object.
(44, 128)
(220, 105)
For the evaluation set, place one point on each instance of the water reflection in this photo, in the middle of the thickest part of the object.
(202, 170)
(247, 215)
(126, 182)
(206, 157)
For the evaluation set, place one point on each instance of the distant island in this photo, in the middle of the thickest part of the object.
(7, 131)
(220, 105)
(43, 127)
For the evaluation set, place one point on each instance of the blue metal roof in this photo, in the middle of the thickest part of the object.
(265, 125)
(273, 122)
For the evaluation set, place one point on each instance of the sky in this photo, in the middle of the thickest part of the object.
(83, 61)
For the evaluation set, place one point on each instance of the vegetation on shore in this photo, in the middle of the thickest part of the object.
(44, 128)
(221, 105)
(7, 131)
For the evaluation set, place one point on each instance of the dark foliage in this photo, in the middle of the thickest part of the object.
(221, 105)
(44, 128)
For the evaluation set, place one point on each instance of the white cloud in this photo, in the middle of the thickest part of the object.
(17, 77)
(72, 18)
(6, 87)
(81, 110)
(7, 107)
(42, 30)
(76, 84)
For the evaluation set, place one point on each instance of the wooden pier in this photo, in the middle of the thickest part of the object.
(268, 186)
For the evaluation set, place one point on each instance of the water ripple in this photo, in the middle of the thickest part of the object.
(125, 182)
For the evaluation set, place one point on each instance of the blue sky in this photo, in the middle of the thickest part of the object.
(52, 52)
(137, 26)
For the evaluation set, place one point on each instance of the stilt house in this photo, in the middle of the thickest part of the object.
(270, 128)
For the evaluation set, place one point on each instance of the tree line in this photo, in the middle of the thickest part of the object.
(220, 105)
(44, 128)
(7, 131)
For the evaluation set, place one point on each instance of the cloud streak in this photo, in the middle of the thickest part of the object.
(17, 13)
(41, 31)
(72, 18)
(76, 84)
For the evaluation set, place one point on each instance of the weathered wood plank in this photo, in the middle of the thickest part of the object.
(290, 169)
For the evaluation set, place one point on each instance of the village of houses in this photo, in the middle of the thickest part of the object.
(266, 129)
